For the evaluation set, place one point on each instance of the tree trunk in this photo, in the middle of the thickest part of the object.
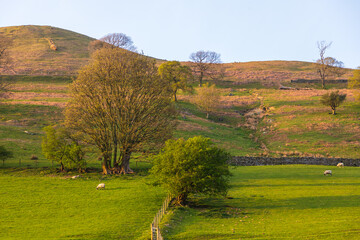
(207, 115)
(125, 164)
(105, 166)
(333, 111)
(175, 99)
(61, 167)
(201, 78)
(181, 199)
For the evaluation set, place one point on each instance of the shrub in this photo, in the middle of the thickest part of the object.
(333, 99)
(192, 166)
(5, 154)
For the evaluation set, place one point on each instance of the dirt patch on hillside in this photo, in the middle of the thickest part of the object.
(43, 103)
(32, 95)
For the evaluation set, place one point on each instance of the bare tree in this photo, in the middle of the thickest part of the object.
(119, 40)
(327, 66)
(203, 62)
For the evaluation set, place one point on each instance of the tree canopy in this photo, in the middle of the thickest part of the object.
(121, 105)
(207, 98)
(333, 100)
(178, 76)
(192, 166)
(203, 62)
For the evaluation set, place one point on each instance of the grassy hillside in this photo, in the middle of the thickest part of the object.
(31, 52)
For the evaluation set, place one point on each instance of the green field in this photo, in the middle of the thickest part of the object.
(275, 202)
(40, 204)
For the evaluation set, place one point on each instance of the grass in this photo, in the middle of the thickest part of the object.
(275, 202)
(44, 205)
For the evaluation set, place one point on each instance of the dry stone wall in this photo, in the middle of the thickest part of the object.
(258, 161)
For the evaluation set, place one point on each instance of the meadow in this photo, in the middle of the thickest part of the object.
(42, 204)
(275, 202)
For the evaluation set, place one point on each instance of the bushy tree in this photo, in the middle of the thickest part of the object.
(207, 98)
(333, 99)
(121, 105)
(5, 154)
(58, 146)
(177, 75)
(192, 166)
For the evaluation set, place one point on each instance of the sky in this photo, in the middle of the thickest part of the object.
(239, 30)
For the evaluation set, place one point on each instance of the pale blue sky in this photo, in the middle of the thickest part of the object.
(240, 30)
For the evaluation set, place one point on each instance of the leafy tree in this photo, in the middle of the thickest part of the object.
(333, 99)
(58, 146)
(176, 75)
(5, 154)
(354, 81)
(207, 98)
(121, 105)
(327, 66)
(192, 166)
(204, 63)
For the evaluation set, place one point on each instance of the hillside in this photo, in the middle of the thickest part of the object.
(33, 54)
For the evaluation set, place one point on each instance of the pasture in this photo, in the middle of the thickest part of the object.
(40, 204)
(275, 202)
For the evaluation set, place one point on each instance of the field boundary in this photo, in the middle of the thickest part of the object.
(155, 225)
(259, 161)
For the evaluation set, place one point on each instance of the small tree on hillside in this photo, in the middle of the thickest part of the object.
(177, 75)
(5, 154)
(58, 146)
(204, 63)
(333, 99)
(327, 66)
(192, 166)
(207, 98)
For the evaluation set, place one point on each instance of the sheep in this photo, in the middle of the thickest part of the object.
(76, 176)
(100, 186)
(328, 172)
(340, 165)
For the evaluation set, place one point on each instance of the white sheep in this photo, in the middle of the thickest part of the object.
(100, 186)
(340, 165)
(328, 172)
(76, 176)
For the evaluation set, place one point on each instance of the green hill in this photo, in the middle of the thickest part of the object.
(32, 54)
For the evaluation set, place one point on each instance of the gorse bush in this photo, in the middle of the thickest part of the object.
(192, 166)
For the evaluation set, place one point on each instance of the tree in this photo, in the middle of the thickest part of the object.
(207, 98)
(192, 166)
(176, 75)
(203, 61)
(5, 154)
(121, 105)
(333, 99)
(327, 66)
(57, 145)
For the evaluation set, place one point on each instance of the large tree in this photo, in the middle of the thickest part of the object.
(121, 105)
(327, 66)
(178, 76)
(354, 81)
(204, 62)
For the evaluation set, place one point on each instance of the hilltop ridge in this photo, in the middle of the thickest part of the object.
(47, 50)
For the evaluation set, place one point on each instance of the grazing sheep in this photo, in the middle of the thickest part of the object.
(328, 172)
(74, 177)
(340, 165)
(100, 186)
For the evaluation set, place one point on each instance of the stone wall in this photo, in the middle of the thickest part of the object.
(319, 81)
(257, 161)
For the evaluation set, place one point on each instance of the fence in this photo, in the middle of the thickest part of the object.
(155, 228)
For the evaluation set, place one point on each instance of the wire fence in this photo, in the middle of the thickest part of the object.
(155, 225)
